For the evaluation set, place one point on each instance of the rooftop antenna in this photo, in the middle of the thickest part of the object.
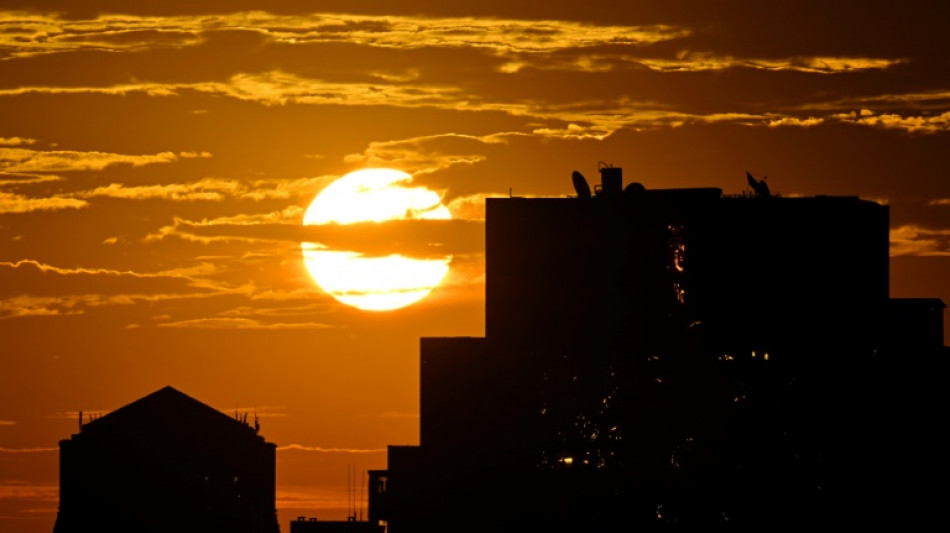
(80, 420)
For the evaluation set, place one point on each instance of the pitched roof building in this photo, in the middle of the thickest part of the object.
(167, 462)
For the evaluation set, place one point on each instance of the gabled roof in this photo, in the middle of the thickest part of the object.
(168, 413)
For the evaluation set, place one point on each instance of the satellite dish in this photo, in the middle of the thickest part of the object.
(580, 185)
(760, 187)
(633, 189)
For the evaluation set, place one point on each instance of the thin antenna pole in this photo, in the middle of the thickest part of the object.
(362, 477)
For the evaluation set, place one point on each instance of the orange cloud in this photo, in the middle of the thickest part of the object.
(17, 203)
(909, 124)
(240, 323)
(915, 240)
(15, 141)
(27, 160)
(319, 449)
(33, 34)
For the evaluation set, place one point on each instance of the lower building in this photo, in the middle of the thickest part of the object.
(167, 462)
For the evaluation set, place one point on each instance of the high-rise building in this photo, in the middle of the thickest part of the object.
(665, 358)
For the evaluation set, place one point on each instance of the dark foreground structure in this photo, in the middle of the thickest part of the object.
(164, 463)
(678, 359)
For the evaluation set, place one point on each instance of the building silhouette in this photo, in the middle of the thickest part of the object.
(677, 359)
(167, 462)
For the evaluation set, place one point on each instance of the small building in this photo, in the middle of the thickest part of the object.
(167, 462)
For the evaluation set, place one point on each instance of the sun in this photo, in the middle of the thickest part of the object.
(373, 283)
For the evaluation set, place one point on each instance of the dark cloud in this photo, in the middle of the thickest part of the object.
(413, 238)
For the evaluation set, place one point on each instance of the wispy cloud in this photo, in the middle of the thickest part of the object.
(428, 153)
(27, 450)
(813, 64)
(187, 272)
(211, 189)
(320, 449)
(691, 61)
(29, 34)
(7, 422)
(15, 141)
(793, 121)
(907, 123)
(241, 323)
(27, 160)
(18, 203)
(591, 119)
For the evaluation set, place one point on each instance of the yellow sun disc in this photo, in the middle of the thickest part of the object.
(373, 283)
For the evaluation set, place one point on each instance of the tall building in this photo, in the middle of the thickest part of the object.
(666, 358)
(167, 462)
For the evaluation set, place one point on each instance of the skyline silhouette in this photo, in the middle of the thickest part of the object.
(158, 163)
(647, 376)
(676, 359)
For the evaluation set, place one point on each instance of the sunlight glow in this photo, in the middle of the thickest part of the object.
(373, 283)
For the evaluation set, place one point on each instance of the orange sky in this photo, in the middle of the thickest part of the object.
(155, 166)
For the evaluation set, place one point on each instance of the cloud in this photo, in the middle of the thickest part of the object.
(692, 62)
(208, 189)
(26, 306)
(923, 100)
(414, 238)
(7, 422)
(26, 35)
(915, 240)
(428, 153)
(27, 160)
(27, 450)
(15, 141)
(622, 58)
(588, 119)
(910, 124)
(21, 178)
(17, 203)
(45, 268)
(792, 121)
(319, 449)
(241, 323)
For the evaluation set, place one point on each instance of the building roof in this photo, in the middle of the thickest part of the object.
(168, 412)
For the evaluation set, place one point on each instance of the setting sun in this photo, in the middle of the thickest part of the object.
(379, 283)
